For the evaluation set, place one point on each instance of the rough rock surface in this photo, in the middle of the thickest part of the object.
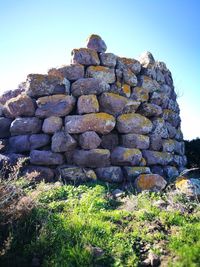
(56, 105)
(89, 140)
(100, 117)
(151, 182)
(102, 123)
(22, 105)
(96, 43)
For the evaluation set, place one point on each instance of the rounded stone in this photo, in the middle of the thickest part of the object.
(5, 127)
(89, 140)
(25, 126)
(102, 123)
(85, 56)
(126, 156)
(62, 142)
(22, 105)
(56, 105)
(133, 123)
(96, 43)
(87, 104)
(52, 125)
(105, 74)
(151, 182)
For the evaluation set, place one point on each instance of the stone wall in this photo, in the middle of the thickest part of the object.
(101, 116)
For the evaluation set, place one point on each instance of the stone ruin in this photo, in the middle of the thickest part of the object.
(103, 116)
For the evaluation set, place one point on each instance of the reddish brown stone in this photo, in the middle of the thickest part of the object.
(151, 182)
(22, 105)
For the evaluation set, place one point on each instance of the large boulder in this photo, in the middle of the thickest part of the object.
(85, 56)
(52, 124)
(160, 128)
(135, 141)
(71, 72)
(22, 105)
(43, 85)
(108, 59)
(129, 77)
(76, 174)
(126, 156)
(44, 157)
(102, 123)
(96, 43)
(89, 86)
(62, 142)
(93, 158)
(150, 182)
(155, 157)
(113, 104)
(133, 123)
(189, 187)
(129, 63)
(112, 174)
(100, 72)
(5, 127)
(25, 126)
(55, 105)
(87, 104)
(89, 140)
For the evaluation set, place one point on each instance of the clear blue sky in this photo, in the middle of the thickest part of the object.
(36, 35)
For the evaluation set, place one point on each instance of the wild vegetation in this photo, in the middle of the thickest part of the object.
(60, 225)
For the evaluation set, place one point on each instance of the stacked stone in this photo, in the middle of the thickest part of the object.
(102, 116)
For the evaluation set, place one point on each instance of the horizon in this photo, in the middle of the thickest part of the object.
(41, 40)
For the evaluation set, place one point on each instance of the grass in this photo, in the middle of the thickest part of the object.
(84, 225)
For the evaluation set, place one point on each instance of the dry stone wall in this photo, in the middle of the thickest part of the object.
(103, 116)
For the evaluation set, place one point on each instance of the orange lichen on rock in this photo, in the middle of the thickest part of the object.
(153, 182)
